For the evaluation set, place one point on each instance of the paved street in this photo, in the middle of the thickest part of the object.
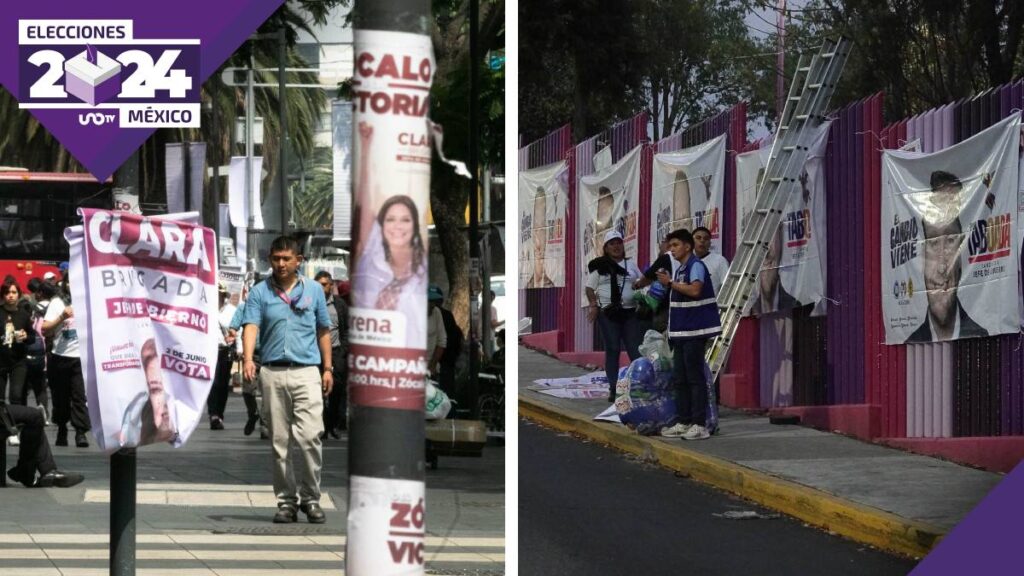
(206, 509)
(586, 509)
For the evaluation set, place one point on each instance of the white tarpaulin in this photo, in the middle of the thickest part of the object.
(542, 199)
(949, 263)
(687, 192)
(238, 196)
(609, 199)
(793, 273)
(145, 302)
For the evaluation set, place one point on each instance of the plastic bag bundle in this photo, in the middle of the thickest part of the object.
(438, 405)
(648, 403)
(655, 348)
(649, 417)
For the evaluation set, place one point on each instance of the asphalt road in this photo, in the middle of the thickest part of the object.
(586, 509)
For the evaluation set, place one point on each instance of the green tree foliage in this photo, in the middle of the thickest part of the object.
(922, 53)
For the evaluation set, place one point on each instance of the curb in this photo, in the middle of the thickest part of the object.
(855, 521)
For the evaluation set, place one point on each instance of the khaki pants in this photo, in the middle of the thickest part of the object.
(293, 409)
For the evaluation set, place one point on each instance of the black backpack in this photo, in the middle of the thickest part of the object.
(455, 337)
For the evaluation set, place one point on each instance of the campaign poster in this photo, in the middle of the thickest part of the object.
(749, 173)
(388, 319)
(793, 273)
(687, 192)
(608, 200)
(542, 198)
(144, 295)
(949, 220)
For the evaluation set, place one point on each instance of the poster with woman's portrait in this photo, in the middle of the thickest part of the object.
(609, 199)
(542, 198)
(686, 192)
(144, 295)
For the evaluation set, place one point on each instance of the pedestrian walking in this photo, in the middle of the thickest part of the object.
(610, 293)
(336, 404)
(65, 370)
(35, 455)
(437, 336)
(35, 353)
(221, 388)
(18, 335)
(453, 345)
(693, 319)
(287, 313)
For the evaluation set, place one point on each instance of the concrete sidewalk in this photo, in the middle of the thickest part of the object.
(880, 496)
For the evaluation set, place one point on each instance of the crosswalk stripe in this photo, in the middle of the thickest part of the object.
(213, 498)
(64, 571)
(207, 538)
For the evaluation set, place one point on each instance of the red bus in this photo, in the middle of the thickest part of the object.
(35, 207)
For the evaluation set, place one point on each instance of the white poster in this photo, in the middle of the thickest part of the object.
(609, 199)
(238, 196)
(793, 273)
(687, 192)
(542, 198)
(749, 172)
(145, 299)
(125, 201)
(949, 263)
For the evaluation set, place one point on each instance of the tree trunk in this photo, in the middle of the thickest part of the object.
(448, 197)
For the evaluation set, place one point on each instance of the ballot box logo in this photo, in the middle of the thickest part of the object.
(92, 76)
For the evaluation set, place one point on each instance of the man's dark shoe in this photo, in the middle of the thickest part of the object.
(336, 434)
(286, 514)
(80, 440)
(250, 424)
(62, 436)
(28, 479)
(314, 513)
(59, 479)
(216, 423)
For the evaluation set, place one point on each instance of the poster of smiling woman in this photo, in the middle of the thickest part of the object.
(542, 197)
(949, 265)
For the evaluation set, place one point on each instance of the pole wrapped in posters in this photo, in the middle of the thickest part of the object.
(793, 272)
(609, 199)
(144, 293)
(687, 192)
(542, 197)
(949, 263)
(388, 320)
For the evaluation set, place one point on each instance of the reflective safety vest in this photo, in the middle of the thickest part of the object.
(691, 318)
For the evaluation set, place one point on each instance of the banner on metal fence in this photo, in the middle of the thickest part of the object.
(686, 192)
(144, 293)
(793, 273)
(609, 199)
(949, 263)
(542, 199)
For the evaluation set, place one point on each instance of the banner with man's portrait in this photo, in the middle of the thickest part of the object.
(542, 199)
(686, 192)
(793, 273)
(609, 200)
(949, 220)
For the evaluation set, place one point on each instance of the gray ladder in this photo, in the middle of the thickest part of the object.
(814, 82)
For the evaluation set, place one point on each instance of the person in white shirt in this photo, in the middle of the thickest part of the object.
(218, 399)
(716, 264)
(65, 371)
(611, 303)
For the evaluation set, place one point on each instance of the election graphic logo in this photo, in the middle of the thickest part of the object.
(108, 74)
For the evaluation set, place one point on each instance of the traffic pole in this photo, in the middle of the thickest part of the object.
(123, 465)
(394, 68)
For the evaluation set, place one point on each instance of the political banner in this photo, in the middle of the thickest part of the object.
(609, 200)
(144, 293)
(542, 198)
(949, 218)
(749, 172)
(687, 192)
(793, 273)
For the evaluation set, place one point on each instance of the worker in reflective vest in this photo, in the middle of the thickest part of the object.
(693, 319)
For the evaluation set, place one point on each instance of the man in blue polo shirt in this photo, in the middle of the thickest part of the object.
(288, 314)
